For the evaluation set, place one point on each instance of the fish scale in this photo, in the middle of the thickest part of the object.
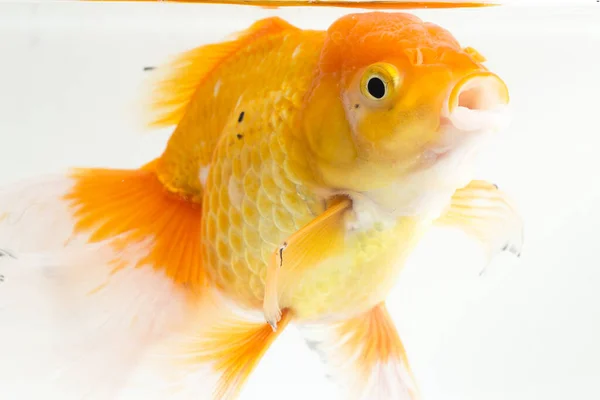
(261, 185)
(258, 154)
(279, 136)
(250, 154)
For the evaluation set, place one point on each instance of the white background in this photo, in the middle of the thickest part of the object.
(70, 79)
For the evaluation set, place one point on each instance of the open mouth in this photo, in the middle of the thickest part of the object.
(478, 102)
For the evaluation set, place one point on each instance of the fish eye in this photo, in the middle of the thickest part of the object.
(376, 87)
(379, 81)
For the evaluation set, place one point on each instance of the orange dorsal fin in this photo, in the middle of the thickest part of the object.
(178, 81)
(132, 208)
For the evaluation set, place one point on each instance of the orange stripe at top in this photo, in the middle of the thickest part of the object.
(381, 4)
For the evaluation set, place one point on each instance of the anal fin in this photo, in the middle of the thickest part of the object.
(212, 358)
(365, 356)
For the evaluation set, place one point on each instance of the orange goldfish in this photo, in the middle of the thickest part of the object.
(303, 168)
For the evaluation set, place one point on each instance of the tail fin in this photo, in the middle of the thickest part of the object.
(33, 216)
(100, 274)
(97, 266)
(71, 328)
(123, 207)
(132, 206)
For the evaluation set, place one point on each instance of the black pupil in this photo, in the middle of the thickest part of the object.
(376, 87)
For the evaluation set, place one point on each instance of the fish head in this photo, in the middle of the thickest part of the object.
(413, 105)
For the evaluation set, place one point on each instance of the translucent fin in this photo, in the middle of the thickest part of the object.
(125, 207)
(177, 82)
(72, 327)
(132, 206)
(364, 355)
(33, 215)
(105, 279)
(92, 268)
(211, 359)
(321, 238)
(487, 214)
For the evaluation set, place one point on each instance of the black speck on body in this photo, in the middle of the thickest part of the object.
(241, 117)
(356, 105)
(281, 254)
(239, 136)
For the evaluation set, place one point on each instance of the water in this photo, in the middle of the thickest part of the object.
(70, 75)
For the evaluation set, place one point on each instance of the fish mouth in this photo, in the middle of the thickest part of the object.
(478, 102)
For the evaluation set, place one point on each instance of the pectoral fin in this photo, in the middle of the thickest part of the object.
(318, 240)
(365, 356)
(485, 213)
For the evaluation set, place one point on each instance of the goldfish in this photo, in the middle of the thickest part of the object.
(302, 169)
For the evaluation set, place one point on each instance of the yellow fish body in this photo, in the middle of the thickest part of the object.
(303, 168)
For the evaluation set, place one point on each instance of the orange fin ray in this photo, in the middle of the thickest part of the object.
(321, 238)
(486, 214)
(365, 356)
(212, 358)
(129, 207)
(98, 310)
(176, 83)
(237, 352)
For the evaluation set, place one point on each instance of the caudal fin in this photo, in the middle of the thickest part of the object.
(130, 207)
(97, 266)
(73, 328)
(122, 207)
